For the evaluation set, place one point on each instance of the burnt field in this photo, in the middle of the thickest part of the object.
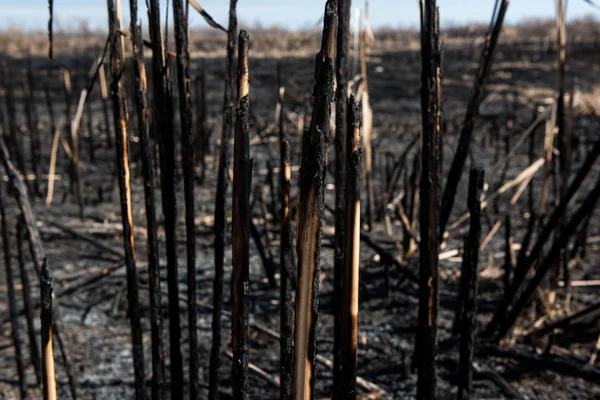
(85, 142)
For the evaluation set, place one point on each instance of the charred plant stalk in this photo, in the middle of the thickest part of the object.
(240, 284)
(508, 254)
(468, 286)
(561, 114)
(12, 137)
(264, 253)
(286, 285)
(349, 304)
(105, 112)
(51, 30)
(117, 67)
(310, 211)
(49, 380)
(426, 343)
(341, 74)
(12, 302)
(90, 129)
(156, 313)
(34, 133)
(485, 65)
(28, 304)
(164, 128)
(68, 125)
(202, 136)
(187, 150)
(367, 130)
(51, 117)
(220, 202)
(74, 126)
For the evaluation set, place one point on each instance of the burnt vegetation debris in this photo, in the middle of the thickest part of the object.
(361, 214)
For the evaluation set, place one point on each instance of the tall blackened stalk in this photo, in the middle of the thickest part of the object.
(310, 210)
(349, 306)
(12, 302)
(220, 202)
(34, 133)
(46, 294)
(163, 104)
(426, 340)
(28, 303)
(485, 66)
(117, 67)
(240, 284)
(12, 137)
(468, 286)
(156, 315)
(341, 74)
(187, 151)
(286, 284)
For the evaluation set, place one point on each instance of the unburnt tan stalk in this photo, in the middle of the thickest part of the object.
(310, 211)
(48, 377)
(426, 339)
(341, 74)
(220, 203)
(117, 67)
(349, 309)
(286, 283)
(156, 313)
(187, 151)
(240, 284)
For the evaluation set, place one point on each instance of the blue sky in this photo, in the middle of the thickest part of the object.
(294, 14)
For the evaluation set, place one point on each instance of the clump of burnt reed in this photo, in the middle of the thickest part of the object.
(117, 67)
(426, 339)
(544, 266)
(527, 261)
(156, 313)
(349, 301)
(462, 150)
(311, 188)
